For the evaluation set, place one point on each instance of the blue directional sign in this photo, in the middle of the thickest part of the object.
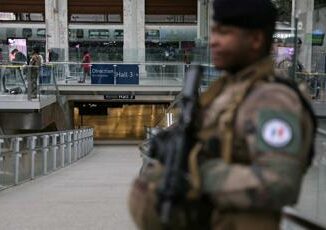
(102, 74)
(127, 74)
(115, 74)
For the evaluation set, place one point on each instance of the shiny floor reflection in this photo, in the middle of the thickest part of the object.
(126, 123)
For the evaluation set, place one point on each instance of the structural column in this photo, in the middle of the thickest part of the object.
(304, 10)
(134, 31)
(203, 20)
(56, 21)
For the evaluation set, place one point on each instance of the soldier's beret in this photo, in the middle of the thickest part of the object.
(245, 13)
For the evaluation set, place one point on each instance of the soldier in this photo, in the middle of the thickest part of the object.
(255, 136)
(35, 62)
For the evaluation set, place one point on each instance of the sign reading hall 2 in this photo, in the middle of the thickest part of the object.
(115, 74)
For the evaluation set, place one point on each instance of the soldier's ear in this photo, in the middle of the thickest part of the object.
(258, 40)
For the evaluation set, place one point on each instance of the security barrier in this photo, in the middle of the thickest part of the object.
(25, 157)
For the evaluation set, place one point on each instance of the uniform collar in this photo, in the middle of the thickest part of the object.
(259, 70)
(263, 67)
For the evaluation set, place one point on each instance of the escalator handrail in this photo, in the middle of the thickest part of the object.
(171, 106)
(293, 215)
(321, 132)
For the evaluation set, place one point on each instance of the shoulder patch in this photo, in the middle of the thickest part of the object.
(278, 131)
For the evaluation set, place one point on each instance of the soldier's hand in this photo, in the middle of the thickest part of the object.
(164, 143)
(182, 184)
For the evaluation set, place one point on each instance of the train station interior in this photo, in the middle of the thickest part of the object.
(111, 77)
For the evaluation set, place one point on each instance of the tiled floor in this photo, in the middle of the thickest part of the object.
(89, 195)
(312, 201)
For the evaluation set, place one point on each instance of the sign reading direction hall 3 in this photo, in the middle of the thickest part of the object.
(115, 74)
(102, 74)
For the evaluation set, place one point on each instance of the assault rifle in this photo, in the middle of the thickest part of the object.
(176, 145)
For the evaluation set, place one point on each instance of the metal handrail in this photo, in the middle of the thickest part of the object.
(39, 134)
(321, 132)
(171, 106)
(294, 216)
(24, 157)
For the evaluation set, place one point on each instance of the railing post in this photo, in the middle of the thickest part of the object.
(45, 143)
(162, 72)
(1, 156)
(16, 145)
(84, 142)
(54, 150)
(69, 146)
(29, 84)
(184, 70)
(62, 148)
(115, 74)
(75, 145)
(79, 144)
(32, 145)
(169, 119)
(88, 141)
(92, 139)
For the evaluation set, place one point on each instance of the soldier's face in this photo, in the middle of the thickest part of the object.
(231, 47)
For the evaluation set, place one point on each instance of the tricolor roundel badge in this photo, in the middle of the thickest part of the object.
(278, 131)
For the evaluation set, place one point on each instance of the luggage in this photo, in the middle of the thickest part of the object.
(16, 90)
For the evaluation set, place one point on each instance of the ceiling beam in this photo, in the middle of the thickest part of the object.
(154, 7)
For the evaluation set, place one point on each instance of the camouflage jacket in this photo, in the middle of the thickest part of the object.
(35, 60)
(253, 148)
(255, 137)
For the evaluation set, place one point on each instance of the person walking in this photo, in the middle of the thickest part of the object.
(86, 66)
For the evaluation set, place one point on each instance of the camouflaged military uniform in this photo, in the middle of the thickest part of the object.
(35, 63)
(252, 152)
